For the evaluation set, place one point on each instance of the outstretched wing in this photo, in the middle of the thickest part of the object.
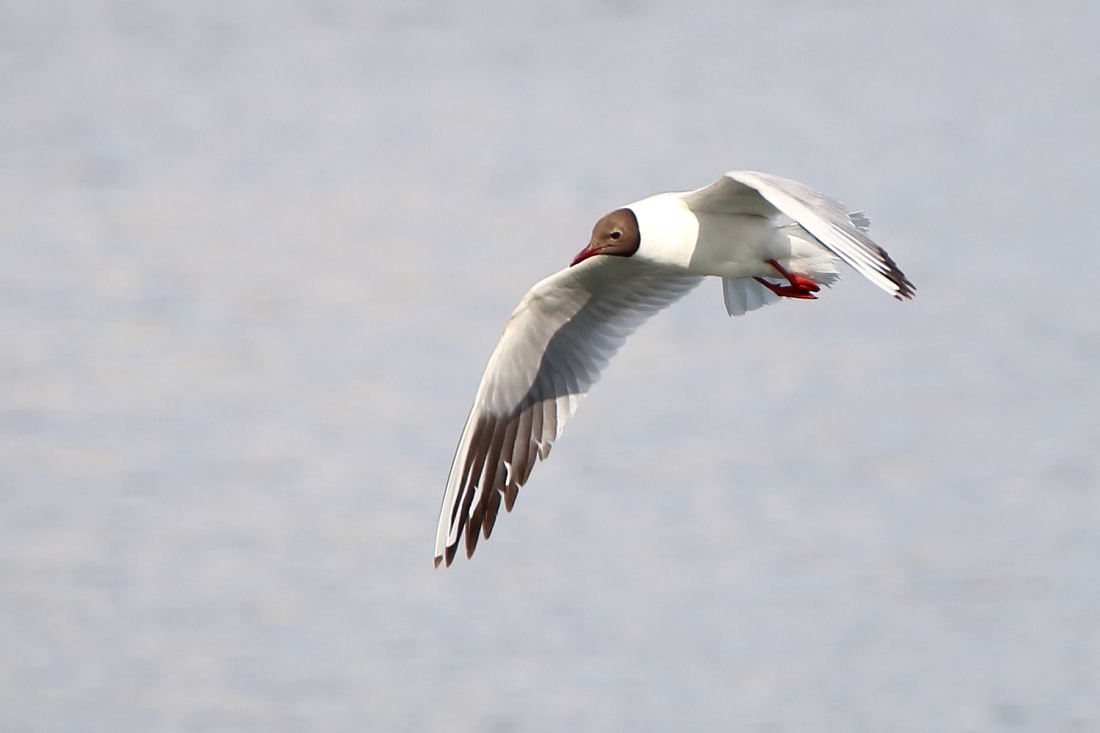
(762, 194)
(552, 351)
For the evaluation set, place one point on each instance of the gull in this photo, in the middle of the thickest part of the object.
(766, 236)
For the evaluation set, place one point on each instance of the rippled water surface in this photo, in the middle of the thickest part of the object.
(253, 257)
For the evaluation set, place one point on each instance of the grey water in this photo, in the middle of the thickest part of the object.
(254, 256)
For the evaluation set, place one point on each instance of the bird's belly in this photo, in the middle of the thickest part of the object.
(734, 245)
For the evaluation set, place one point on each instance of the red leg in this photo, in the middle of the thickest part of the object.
(800, 287)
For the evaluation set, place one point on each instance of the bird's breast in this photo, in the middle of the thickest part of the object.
(668, 231)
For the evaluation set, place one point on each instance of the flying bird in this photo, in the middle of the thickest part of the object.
(767, 237)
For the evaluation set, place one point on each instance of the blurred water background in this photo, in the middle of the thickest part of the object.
(254, 255)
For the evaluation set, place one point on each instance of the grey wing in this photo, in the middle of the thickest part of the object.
(552, 351)
(751, 192)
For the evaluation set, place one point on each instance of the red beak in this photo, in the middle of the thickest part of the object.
(584, 255)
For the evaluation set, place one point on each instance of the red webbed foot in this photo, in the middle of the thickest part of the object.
(800, 287)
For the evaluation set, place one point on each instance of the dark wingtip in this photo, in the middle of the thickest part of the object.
(472, 535)
(906, 289)
(450, 554)
(438, 559)
(491, 510)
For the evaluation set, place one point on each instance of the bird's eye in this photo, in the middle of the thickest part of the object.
(616, 234)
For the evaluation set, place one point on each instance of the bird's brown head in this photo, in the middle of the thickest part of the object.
(615, 234)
